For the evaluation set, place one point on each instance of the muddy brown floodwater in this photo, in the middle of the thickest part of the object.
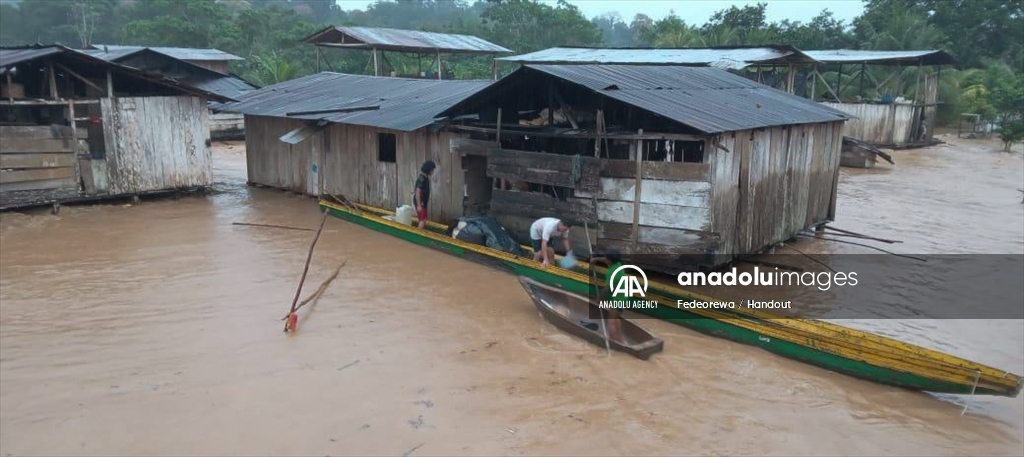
(154, 330)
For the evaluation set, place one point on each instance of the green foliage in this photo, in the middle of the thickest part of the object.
(987, 36)
(529, 25)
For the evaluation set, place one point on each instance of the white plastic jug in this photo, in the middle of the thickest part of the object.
(403, 215)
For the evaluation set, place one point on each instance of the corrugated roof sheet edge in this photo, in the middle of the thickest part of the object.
(710, 122)
(404, 101)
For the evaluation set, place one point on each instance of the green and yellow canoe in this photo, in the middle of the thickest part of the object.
(830, 346)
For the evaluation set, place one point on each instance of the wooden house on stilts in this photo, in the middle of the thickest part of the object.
(693, 166)
(74, 127)
(361, 137)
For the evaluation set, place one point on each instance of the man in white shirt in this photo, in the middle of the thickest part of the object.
(540, 235)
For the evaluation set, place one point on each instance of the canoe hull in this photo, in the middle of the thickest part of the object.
(567, 311)
(737, 328)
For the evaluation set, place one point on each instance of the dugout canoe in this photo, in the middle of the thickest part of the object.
(833, 347)
(577, 315)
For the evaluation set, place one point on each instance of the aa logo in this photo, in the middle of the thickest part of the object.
(628, 285)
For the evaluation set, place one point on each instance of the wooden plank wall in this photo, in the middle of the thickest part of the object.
(37, 158)
(274, 163)
(787, 179)
(517, 211)
(352, 168)
(725, 193)
(544, 168)
(156, 143)
(674, 207)
(878, 123)
(222, 124)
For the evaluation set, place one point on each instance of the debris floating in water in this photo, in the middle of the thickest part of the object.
(346, 366)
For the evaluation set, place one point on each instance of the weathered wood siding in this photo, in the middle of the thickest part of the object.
(671, 216)
(773, 183)
(37, 158)
(156, 143)
(274, 163)
(347, 156)
(516, 212)
(725, 191)
(224, 125)
(886, 124)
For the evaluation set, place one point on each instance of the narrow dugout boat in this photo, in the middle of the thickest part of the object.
(577, 315)
(823, 344)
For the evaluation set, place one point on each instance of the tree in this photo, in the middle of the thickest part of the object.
(528, 25)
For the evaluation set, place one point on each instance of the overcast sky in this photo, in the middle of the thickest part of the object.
(696, 11)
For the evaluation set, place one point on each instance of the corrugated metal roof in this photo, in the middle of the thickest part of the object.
(404, 104)
(727, 58)
(927, 57)
(228, 85)
(177, 53)
(707, 99)
(111, 55)
(13, 56)
(403, 40)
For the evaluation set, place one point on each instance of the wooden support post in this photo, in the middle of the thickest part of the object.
(917, 88)
(863, 69)
(497, 136)
(438, 64)
(814, 83)
(598, 132)
(839, 84)
(110, 85)
(790, 78)
(10, 89)
(636, 196)
(321, 168)
(318, 59)
(376, 64)
(494, 66)
(829, 88)
(79, 179)
(53, 81)
(551, 103)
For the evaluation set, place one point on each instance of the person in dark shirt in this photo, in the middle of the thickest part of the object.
(422, 191)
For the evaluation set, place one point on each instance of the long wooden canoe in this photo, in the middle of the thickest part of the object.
(576, 315)
(824, 344)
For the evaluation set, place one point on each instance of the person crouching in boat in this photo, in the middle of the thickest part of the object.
(541, 232)
(422, 192)
(612, 261)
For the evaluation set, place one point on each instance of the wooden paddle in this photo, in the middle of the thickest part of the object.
(593, 276)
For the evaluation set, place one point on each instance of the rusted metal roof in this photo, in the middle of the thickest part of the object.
(928, 57)
(14, 55)
(402, 40)
(392, 103)
(731, 58)
(707, 99)
(118, 51)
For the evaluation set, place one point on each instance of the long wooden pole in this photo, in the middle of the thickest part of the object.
(305, 270)
(593, 276)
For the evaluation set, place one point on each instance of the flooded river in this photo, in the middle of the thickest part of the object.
(155, 329)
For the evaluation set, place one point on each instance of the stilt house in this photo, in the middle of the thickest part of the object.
(691, 165)
(75, 127)
(361, 137)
